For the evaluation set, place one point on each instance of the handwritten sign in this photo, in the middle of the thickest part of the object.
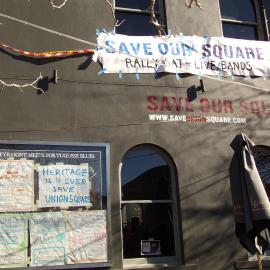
(64, 186)
(48, 238)
(16, 185)
(13, 240)
(87, 237)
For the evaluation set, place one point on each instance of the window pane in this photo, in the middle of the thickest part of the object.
(242, 10)
(145, 175)
(231, 30)
(62, 158)
(266, 4)
(135, 24)
(137, 4)
(145, 222)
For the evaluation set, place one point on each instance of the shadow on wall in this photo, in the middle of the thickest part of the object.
(208, 243)
(45, 82)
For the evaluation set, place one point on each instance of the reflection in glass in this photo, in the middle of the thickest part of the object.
(43, 155)
(145, 175)
(147, 222)
(147, 215)
(239, 31)
(153, 184)
(242, 10)
(135, 24)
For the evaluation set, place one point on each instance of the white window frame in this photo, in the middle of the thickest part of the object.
(160, 13)
(258, 24)
(154, 261)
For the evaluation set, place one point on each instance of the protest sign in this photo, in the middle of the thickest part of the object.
(48, 238)
(183, 54)
(13, 240)
(16, 185)
(87, 236)
(64, 186)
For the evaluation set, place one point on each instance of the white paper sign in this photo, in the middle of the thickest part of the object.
(64, 186)
(183, 54)
(48, 238)
(13, 240)
(87, 237)
(16, 185)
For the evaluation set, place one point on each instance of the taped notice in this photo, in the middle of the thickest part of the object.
(16, 185)
(87, 237)
(13, 240)
(64, 186)
(48, 238)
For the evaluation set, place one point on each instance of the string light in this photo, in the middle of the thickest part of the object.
(115, 23)
(21, 86)
(200, 76)
(49, 54)
(58, 6)
(153, 19)
(96, 45)
(189, 3)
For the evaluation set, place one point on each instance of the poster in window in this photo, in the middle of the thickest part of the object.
(48, 238)
(150, 247)
(16, 185)
(64, 186)
(87, 236)
(13, 240)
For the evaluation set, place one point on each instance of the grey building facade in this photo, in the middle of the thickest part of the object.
(84, 108)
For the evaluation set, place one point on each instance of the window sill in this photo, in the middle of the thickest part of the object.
(63, 267)
(252, 265)
(162, 266)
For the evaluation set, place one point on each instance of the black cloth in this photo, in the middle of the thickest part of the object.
(250, 201)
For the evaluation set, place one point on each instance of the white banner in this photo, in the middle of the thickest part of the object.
(48, 238)
(16, 185)
(183, 54)
(87, 236)
(64, 186)
(13, 240)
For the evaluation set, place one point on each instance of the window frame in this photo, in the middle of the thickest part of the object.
(259, 25)
(161, 13)
(106, 148)
(177, 259)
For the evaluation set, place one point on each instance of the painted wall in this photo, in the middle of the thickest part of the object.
(85, 107)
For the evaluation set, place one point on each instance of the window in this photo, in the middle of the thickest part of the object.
(241, 19)
(266, 10)
(133, 17)
(150, 226)
(51, 196)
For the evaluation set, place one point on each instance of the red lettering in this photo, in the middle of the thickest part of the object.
(189, 107)
(244, 106)
(178, 104)
(205, 105)
(228, 106)
(255, 107)
(152, 106)
(165, 105)
(217, 108)
(266, 107)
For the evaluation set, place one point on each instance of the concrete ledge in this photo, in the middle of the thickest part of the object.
(168, 267)
(65, 267)
(251, 265)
